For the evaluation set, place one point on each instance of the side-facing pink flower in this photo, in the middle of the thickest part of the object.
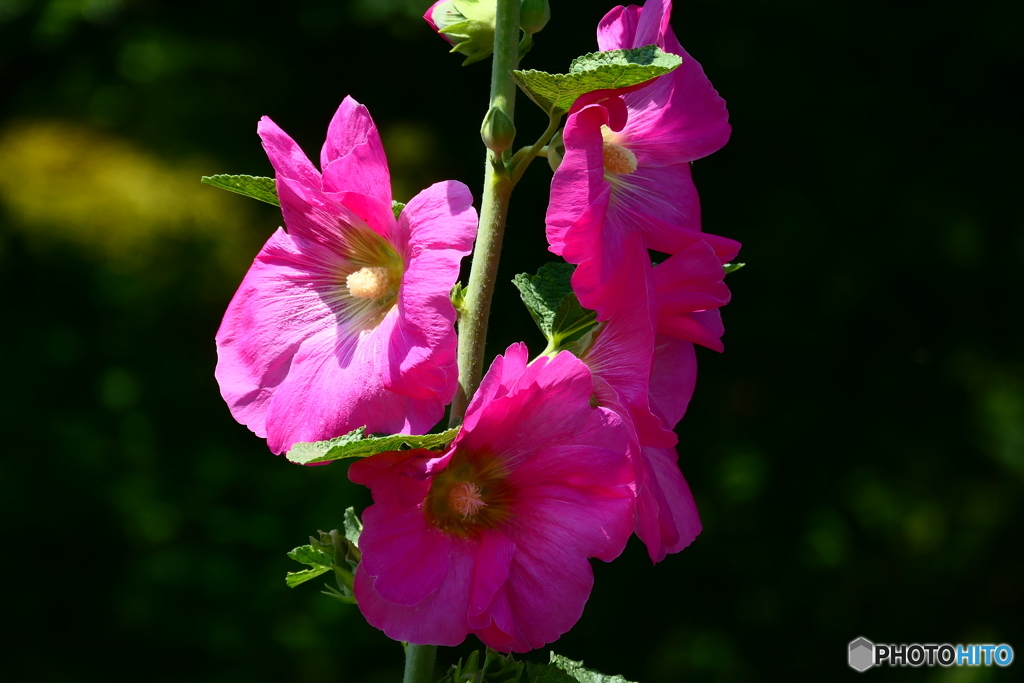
(493, 537)
(345, 320)
(638, 152)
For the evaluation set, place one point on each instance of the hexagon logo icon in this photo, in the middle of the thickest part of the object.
(862, 654)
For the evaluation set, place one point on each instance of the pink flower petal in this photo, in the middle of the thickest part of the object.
(284, 290)
(673, 378)
(491, 571)
(440, 619)
(352, 157)
(441, 225)
(676, 522)
(550, 398)
(288, 160)
(651, 199)
(336, 384)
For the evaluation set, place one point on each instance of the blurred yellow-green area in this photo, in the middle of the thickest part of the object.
(857, 454)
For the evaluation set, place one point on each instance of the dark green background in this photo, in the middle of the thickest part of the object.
(857, 453)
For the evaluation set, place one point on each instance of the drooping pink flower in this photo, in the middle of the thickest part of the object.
(345, 320)
(621, 355)
(641, 355)
(493, 537)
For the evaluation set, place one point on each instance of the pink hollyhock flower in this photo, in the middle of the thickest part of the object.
(345, 319)
(493, 537)
(632, 161)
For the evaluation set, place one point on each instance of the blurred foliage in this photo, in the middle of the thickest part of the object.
(857, 455)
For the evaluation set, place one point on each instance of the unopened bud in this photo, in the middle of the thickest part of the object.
(497, 130)
(466, 24)
(534, 15)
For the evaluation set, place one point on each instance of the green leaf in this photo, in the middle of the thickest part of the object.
(396, 208)
(320, 562)
(583, 675)
(546, 673)
(256, 187)
(732, 267)
(293, 579)
(353, 527)
(355, 445)
(549, 297)
(307, 554)
(555, 93)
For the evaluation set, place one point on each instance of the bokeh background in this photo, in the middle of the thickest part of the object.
(857, 453)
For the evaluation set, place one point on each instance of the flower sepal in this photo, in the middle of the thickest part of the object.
(496, 668)
(334, 552)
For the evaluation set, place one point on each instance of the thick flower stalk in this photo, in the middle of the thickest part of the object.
(493, 536)
(345, 320)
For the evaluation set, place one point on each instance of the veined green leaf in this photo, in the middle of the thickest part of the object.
(293, 579)
(555, 93)
(549, 297)
(256, 187)
(579, 673)
(356, 445)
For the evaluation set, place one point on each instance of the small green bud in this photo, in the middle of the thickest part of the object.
(534, 15)
(466, 24)
(497, 130)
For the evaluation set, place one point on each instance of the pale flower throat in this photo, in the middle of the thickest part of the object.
(618, 159)
(370, 282)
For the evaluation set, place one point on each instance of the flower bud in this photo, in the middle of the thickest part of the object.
(466, 24)
(497, 130)
(534, 15)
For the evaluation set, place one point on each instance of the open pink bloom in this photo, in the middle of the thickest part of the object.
(493, 537)
(345, 320)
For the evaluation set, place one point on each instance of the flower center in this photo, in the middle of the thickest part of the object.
(469, 495)
(369, 282)
(617, 158)
(465, 498)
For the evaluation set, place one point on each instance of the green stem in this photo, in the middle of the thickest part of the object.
(493, 212)
(419, 663)
(523, 157)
